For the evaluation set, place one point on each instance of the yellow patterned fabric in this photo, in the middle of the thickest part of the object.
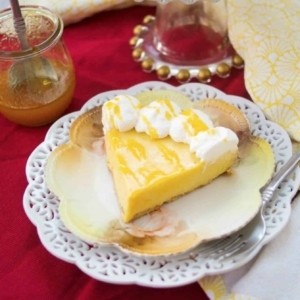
(266, 34)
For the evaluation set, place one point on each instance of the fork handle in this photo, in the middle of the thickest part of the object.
(287, 169)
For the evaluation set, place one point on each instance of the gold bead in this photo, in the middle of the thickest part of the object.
(148, 19)
(223, 70)
(183, 75)
(204, 75)
(147, 64)
(137, 53)
(137, 30)
(133, 41)
(163, 72)
(238, 61)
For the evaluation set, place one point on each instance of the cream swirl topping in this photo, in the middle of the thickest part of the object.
(121, 113)
(162, 118)
(188, 124)
(155, 119)
(210, 144)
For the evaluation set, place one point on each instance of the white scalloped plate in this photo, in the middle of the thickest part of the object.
(109, 263)
(77, 173)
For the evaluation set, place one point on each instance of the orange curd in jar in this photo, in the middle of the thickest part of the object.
(24, 103)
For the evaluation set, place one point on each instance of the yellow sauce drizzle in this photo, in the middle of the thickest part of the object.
(168, 115)
(116, 141)
(169, 106)
(137, 149)
(150, 173)
(152, 131)
(114, 108)
(110, 106)
(124, 167)
(139, 105)
(117, 111)
(196, 124)
(212, 131)
(171, 156)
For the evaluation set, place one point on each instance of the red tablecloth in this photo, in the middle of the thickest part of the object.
(102, 57)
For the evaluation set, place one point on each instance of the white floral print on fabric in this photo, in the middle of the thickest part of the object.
(265, 33)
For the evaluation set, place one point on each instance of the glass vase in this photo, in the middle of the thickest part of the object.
(185, 40)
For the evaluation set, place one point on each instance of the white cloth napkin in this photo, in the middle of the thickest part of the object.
(276, 272)
(273, 275)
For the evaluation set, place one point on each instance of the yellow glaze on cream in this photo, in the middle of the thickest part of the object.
(149, 172)
(114, 107)
(194, 123)
(170, 113)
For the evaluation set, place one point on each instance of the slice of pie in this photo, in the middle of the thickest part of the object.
(159, 152)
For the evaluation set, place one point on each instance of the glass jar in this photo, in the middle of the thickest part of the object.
(192, 34)
(23, 101)
(187, 39)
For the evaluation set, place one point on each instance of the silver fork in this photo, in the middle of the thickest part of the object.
(246, 239)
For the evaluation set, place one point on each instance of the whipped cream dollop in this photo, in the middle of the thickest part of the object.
(162, 118)
(155, 119)
(213, 143)
(188, 124)
(120, 113)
